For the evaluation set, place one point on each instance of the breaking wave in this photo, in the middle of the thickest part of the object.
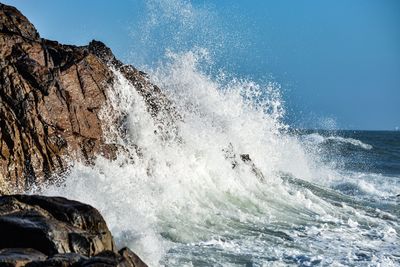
(228, 183)
(233, 187)
(317, 139)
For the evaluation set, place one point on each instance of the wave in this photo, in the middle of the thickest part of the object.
(317, 139)
(218, 191)
(231, 186)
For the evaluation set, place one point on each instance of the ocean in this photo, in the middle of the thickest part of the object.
(228, 183)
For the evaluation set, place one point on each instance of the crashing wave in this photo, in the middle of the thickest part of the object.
(317, 139)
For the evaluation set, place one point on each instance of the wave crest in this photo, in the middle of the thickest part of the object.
(317, 139)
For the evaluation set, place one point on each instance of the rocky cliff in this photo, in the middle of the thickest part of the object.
(50, 98)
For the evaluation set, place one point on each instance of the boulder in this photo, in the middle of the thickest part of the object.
(52, 225)
(54, 231)
(19, 256)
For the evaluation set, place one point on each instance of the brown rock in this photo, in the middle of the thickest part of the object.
(50, 97)
(129, 259)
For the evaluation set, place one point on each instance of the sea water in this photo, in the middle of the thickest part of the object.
(228, 183)
(323, 197)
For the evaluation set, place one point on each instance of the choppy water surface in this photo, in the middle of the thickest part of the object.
(181, 195)
(311, 198)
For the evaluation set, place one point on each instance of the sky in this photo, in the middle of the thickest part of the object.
(337, 61)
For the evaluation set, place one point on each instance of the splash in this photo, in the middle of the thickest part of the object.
(234, 186)
(182, 25)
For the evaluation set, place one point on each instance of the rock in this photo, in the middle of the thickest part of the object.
(124, 258)
(231, 156)
(19, 256)
(12, 22)
(257, 172)
(128, 259)
(59, 260)
(54, 231)
(50, 101)
(52, 225)
(104, 259)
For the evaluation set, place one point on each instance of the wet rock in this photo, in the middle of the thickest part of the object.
(54, 231)
(51, 96)
(59, 260)
(231, 156)
(19, 256)
(128, 259)
(124, 258)
(257, 172)
(245, 157)
(52, 225)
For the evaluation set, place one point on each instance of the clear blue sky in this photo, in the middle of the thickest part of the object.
(337, 59)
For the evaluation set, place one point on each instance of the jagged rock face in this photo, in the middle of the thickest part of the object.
(55, 231)
(50, 98)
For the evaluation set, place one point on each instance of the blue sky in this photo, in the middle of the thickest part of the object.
(337, 60)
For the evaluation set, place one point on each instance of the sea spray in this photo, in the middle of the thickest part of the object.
(226, 182)
(183, 201)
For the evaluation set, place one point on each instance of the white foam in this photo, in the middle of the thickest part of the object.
(317, 139)
(161, 193)
(166, 198)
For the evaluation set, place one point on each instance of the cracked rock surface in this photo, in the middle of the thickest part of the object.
(50, 98)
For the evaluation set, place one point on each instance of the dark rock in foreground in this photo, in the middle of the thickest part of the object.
(54, 231)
